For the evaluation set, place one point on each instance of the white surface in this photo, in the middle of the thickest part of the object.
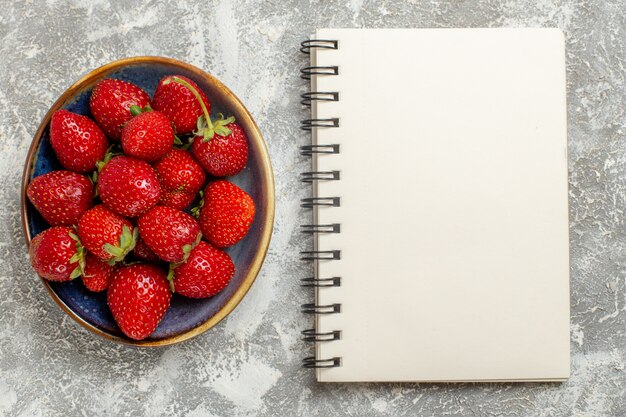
(454, 214)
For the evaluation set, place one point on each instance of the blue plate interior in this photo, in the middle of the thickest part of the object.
(184, 313)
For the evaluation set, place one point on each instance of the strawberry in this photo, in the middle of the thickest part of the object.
(143, 252)
(97, 274)
(56, 254)
(178, 200)
(77, 141)
(227, 213)
(222, 156)
(105, 234)
(110, 104)
(148, 135)
(138, 297)
(179, 171)
(181, 177)
(180, 104)
(207, 272)
(128, 186)
(61, 196)
(170, 233)
(229, 154)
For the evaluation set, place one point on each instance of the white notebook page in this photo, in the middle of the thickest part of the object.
(454, 217)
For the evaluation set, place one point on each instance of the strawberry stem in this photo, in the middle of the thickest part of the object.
(170, 275)
(135, 110)
(209, 132)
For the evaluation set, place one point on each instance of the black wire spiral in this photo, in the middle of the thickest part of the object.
(312, 335)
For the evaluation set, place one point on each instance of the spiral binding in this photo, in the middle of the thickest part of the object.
(311, 202)
(307, 72)
(306, 46)
(309, 150)
(311, 362)
(307, 98)
(309, 124)
(321, 282)
(320, 255)
(312, 335)
(320, 176)
(320, 228)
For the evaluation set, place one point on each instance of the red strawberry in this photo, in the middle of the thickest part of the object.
(138, 297)
(143, 252)
(223, 156)
(170, 233)
(56, 254)
(207, 272)
(105, 234)
(148, 136)
(97, 274)
(61, 196)
(179, 103)
(176, 200)
(110, 104)
(128, 186)
(179, 171)
(227, 213)
(77, 141)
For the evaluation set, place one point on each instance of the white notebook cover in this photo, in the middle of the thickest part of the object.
(454, 205)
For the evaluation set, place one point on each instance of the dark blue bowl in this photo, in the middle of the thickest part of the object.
(186, 317)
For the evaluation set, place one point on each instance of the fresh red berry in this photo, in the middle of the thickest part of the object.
(97, 274)
(227, 213)
(128, 186)
(207, 272)
(179, 171)
(181, 177)
(178, 200)
(138, 297)
(179, 103)
(54, 254)
(223, 156)
(110, 104)
(61, 197)
(77, 141)
(148, 136)
(170, 233)
(143, 252)
(105, 234)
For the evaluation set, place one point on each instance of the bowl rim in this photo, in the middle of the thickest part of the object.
(268, 223)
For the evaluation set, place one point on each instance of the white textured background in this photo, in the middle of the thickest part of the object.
(249, 364)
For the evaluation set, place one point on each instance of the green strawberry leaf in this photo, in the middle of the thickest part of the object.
(198, 239)
(221, 123)
(76, 273)
(128, 240)
(200, 124)
(195, 211)
(114, 251)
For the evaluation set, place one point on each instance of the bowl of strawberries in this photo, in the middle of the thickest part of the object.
(147, 201)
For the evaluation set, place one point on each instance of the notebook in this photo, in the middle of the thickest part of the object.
(439, 205)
